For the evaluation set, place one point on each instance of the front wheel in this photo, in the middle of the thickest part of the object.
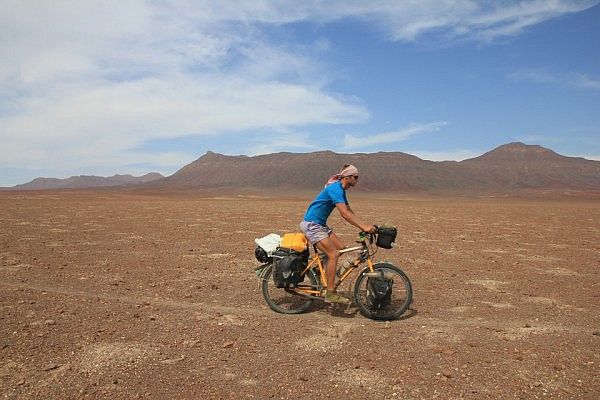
(286, 301)
(383, 304)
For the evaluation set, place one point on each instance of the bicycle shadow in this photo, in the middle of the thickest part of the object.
(336, 310)
(351, 310)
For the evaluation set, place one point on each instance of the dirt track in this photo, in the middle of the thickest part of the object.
(122, 296)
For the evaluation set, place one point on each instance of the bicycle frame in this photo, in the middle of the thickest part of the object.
(365, 256)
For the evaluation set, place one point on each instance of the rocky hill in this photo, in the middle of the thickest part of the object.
(519, 166)
(513, 166)
(87, 181)
(509, 168)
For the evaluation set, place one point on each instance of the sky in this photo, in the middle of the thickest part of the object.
(131, 86)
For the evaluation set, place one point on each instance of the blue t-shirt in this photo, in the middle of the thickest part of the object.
(319, 210)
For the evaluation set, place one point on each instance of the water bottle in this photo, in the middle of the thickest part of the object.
(344, 267)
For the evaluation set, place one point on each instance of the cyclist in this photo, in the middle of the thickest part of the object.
(314, 226)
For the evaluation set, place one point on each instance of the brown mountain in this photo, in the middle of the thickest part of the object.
(379, 171)
(87, 181)
(520, 166)
(510, 167)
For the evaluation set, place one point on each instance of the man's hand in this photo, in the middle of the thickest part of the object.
(369, 228)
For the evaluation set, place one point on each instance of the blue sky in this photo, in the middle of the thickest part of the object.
(101, 87)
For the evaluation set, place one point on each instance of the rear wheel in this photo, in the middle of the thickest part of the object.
(288, 300)
(401, 296)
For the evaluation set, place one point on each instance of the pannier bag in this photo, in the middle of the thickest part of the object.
(294, 241)
(262, 255)
(386, 237)
(265, 246)
(379, 292)
(288, 266)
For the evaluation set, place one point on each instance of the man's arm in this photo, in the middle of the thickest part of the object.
(352, 218)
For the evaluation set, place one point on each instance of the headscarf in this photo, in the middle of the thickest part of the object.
(348, 171)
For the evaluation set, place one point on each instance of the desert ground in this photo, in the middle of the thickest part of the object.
(120, 296)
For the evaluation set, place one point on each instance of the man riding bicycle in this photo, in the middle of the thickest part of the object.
(314, 226)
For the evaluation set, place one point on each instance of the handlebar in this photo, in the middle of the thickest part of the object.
(362, 235)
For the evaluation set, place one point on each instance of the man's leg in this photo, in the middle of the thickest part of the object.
(336, 240)
(329, 246)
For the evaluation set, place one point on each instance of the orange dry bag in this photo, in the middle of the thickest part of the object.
(294, 241)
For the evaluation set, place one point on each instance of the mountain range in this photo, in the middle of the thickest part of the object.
(508, 168)
(87, 181)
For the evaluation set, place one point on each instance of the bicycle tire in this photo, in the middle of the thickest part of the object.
(401, 294)
(282, 300)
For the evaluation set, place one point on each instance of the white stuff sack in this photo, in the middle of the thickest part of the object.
(269, 243)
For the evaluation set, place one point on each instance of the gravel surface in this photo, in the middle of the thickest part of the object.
(124, 296)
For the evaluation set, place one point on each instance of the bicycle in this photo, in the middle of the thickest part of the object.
(297, 297)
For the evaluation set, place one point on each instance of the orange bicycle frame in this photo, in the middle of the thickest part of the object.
(316, 259)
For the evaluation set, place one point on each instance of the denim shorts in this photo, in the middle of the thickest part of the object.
(315, 232)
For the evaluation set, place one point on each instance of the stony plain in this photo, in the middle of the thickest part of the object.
(108, 294)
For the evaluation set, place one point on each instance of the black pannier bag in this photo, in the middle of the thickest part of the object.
(288, 266)
(379, 292)
(262, 255)
(386, 237)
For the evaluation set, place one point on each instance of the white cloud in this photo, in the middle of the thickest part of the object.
(537, 76)
(86, 83)
(584, 81)
(408, 20)
(104, 122)
(365, 141)
(569, 79)
(289, 142)
(502, 19)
